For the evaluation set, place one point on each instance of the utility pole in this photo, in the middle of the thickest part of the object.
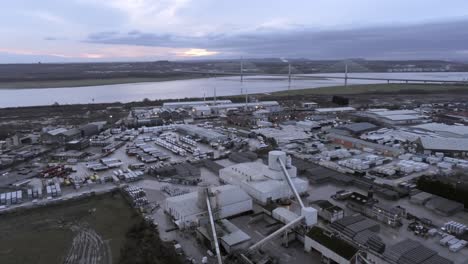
(215, 95)
(246, 98)
(289, 78)
(346, 76)
(242, 69)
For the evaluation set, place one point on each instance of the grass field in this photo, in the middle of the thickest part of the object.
(81, 231)
(84, 82)
(374, 89)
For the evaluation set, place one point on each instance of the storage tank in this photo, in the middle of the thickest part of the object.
(273, 157)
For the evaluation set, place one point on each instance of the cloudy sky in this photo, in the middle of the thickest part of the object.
(142, 30)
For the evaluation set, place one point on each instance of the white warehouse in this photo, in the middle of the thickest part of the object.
(226, 201)
(264, 183)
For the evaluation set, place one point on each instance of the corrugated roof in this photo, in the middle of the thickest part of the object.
(192, 103)
(230, 194)
(56, 131)
(444, 205)
(72, 132)
(416, 255)
(403, 117)
(454, 144)
(461, 131)
(335, 109)
(333, 243)
(395, 112)
(226, 195)
(395, 252)
(359, 127)
(366, 143)
(436, 259)
(238, 105)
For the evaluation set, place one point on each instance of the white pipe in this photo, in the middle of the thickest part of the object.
(291, 184)
(213, 229)
(277, 232)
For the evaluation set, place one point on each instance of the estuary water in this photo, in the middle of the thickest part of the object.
(195, 88)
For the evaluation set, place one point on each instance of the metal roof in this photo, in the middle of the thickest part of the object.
(194, 103)
(395, 252)
(461, 131)
(71, 132)
(444, 205)
(238, 105)
(233, 234)
(201, 132)
(454, 144)
(359, 127)
(56, 131)
(417, 255)
(226, 195)
(366, 143)
(436, 259)
(335, 109)
(286, 214)
(395, 112)
(403, 117)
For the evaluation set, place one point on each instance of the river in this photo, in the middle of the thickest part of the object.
(192, 88)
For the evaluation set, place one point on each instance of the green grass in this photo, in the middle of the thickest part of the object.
(374, 88)
(84, 82)
(43, 235)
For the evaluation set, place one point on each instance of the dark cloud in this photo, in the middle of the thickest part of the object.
(445, 40)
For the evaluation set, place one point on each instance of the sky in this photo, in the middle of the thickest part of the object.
(148, 30)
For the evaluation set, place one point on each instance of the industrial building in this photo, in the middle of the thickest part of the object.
(328, 211)
(351, 142)
(191, 104)
(69, 155)
(444, 206)
(204, 134)
(451, 131)
(361, 230)
(355, 128)
(308, 125)
(413, 252)
(335, 110)
(284, 133)
(421, 198)
(227, 200)
(449, 146)
(396, 117)
(60, 136)
(391, 216)
(436, 203)
(331, 247)
(309, 105)
(272, 106)
(91, 129)
(231, 238)
(201, 111)
(265, 183)
(77, 144)
(369, 207)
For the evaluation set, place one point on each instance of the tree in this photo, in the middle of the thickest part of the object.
(144, 246)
